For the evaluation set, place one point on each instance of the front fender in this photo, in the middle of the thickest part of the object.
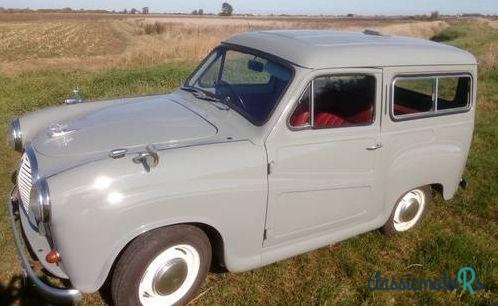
(100, 207)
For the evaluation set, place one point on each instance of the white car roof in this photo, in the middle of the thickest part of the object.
(330, 49)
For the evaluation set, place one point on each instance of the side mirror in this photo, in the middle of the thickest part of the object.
(75, 97)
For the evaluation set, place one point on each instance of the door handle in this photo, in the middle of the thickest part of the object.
(375, 147)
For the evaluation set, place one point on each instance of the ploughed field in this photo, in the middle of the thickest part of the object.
(43, 56)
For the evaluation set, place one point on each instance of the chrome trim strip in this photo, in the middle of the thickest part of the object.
(33, 163)
(15, 137)
(436, 94)
(58, 295)
(312, 102)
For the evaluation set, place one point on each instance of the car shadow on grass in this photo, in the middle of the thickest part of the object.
(20, 291)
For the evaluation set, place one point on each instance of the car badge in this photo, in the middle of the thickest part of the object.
(58, 130)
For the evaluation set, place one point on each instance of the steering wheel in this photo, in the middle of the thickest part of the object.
(234, 93)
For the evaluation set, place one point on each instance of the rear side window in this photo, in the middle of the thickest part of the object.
(429, 95)
(414, 96)
(453, 93)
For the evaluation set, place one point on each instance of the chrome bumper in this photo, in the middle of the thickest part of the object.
(56, 295)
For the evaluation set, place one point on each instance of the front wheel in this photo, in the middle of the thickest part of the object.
(408, 211)
(163, 267)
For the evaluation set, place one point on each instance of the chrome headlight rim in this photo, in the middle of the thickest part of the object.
(15, 135)
(39, 204)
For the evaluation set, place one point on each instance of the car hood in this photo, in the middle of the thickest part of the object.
(158, 120)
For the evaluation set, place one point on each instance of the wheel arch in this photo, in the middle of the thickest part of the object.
(214, 235)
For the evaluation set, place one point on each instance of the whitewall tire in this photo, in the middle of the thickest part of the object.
(162, 267)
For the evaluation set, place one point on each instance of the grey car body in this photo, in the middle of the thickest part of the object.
(267, 192)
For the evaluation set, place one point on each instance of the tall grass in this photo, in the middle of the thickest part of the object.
(154, 28)
(100, 43)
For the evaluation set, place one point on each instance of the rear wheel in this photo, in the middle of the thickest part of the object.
(408, 211)
(162, 267)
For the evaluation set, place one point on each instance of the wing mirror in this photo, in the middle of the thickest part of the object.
(75, 97)
(149, 159)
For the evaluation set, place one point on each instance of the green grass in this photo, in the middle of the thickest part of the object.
(460, 232)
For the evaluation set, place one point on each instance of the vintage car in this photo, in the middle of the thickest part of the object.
(279, 143)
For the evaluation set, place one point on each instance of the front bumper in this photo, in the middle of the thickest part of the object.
(57, 295)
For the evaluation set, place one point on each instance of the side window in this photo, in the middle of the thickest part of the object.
(301, 116)
(346, 100)
(453, 92)
(413, 96)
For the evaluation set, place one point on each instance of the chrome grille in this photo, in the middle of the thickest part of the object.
(24, 181)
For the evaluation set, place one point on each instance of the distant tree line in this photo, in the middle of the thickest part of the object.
(62, 10)
(145, 10)
(228, 10)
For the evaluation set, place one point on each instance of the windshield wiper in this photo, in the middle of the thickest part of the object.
(201, 94)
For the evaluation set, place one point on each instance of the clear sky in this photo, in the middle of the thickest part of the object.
(310, 7)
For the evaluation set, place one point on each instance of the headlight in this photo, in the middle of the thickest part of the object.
(15, 136)
(39, 203)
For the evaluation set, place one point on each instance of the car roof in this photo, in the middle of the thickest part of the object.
(329, 49)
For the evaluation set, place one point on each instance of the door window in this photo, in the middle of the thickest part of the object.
(301, 116)
(336, 101)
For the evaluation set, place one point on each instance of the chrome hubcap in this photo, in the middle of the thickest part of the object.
(169, 276)
(168, 279)
(409, 210)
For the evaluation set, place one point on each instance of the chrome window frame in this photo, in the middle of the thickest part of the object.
(435, 95)
(296, 105)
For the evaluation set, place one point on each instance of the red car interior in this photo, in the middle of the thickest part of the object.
(403, 110)
(339, 102)
(328, 119)
(300, 119)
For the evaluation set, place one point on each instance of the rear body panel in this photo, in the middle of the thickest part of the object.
(430, 150)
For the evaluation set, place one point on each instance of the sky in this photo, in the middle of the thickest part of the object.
(301, 7)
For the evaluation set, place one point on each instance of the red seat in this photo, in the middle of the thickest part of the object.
(402, 110)
(300, 119)
(363, 117)
(328, 119)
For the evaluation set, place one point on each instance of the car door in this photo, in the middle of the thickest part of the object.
(323, 156)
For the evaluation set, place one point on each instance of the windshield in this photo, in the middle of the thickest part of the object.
(248, 83)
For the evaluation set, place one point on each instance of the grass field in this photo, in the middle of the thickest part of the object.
(94, 42)
(41, 60)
